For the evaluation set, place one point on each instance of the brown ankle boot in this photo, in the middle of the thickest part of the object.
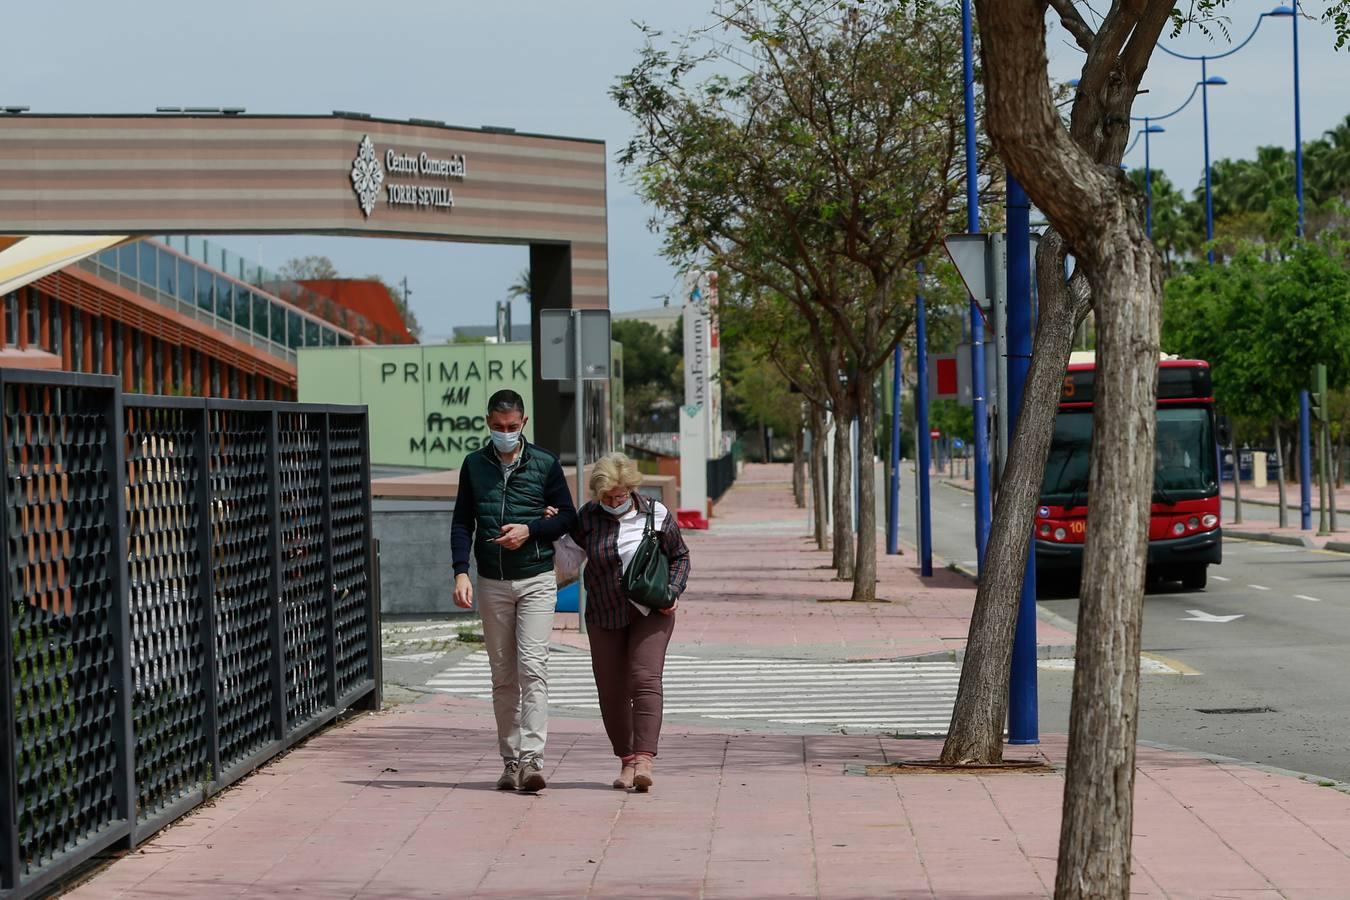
(642, 773)
(625, 779)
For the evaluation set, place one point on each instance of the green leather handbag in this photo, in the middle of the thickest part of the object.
(646, 581)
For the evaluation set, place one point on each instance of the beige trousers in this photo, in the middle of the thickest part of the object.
(517, 621)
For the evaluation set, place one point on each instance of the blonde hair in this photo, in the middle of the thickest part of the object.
(613, 471)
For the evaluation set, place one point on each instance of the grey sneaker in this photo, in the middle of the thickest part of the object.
(510, 775)
(532, 775)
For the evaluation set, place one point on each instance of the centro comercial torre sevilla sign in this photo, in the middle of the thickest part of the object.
(345, 173)
(370, 171)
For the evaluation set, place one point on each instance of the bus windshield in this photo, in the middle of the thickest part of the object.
(1184, 460)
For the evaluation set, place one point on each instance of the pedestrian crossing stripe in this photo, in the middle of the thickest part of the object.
(909, 697)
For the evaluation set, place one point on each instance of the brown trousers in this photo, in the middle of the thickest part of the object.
(628, 663)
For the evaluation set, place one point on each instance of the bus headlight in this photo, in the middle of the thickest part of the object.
(1060, 534)
(1209, 520)
(1045, 529)
(1192, 522)
(1179, 528)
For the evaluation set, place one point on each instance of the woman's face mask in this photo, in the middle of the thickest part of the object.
(616, 509)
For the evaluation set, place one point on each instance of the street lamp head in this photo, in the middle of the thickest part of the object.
(1281, 11)
(1215, 80)
(1155, 129)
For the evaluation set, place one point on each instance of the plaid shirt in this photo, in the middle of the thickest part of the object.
(597, 533)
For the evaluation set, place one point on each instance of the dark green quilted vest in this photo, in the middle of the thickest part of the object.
(500, 501)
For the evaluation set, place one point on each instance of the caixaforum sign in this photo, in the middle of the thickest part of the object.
(405, 178)
(703, 355)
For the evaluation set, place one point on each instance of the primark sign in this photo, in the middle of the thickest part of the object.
(405, 179)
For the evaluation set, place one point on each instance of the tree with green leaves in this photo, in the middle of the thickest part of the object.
(822, 171)
(651, 384)
(1071, 171)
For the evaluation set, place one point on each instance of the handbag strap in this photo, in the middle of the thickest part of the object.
(651, 516)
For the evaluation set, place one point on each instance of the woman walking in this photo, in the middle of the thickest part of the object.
(628, 640)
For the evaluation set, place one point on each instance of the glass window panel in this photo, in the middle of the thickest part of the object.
(260, 308)
(278, 324)
(294, 330)
(243, 305)
(167, 271)
(344, 341)
(126, 260)
(35, 304)
(224, 298)
(12, 319)
(108, 258)
(311, 333)
(184, 288)
(147, 263)
(206, 291)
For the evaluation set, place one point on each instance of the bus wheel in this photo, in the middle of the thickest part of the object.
(1193, 578)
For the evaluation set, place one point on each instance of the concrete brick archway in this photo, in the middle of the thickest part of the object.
(340, 174)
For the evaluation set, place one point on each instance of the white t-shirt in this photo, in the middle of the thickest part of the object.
(631, 526)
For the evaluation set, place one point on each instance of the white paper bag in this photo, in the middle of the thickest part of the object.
(567, 560)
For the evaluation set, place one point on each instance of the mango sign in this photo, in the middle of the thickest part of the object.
(427, 403)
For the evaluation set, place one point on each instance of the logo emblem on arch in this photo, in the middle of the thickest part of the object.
(367, 175)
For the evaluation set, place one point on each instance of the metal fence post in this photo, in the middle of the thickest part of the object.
(329, 587)
(9, 836)
(201, 446)
(276, 623)
(114, 455)
(374, 699)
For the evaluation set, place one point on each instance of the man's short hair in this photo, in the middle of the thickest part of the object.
(506, 401)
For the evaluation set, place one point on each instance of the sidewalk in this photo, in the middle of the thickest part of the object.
(400, 804)
(760, 588)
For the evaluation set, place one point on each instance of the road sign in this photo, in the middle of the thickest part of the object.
(935, 433)
(980, 259)
(944, 381)
(557, 343)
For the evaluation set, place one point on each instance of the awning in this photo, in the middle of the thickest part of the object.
(26, 259)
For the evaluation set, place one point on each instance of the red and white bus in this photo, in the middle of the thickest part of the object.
(1185, 536)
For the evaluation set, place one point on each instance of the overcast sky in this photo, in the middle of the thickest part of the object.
(539, 66)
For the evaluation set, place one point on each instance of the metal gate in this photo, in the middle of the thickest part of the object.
(189, 589)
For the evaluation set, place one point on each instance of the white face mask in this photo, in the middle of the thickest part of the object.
(505, 441)
(619, 510)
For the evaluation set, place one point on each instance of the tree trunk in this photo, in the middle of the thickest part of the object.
(1096, 830)
(1237, 484)
(976, 732)
(865, 569)
(820, 482)
(1279, 474)
(843, 494)
(798, 468)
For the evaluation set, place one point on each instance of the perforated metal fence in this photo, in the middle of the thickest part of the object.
(189, 588)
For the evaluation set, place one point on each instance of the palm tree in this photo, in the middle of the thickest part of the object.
(520, 287)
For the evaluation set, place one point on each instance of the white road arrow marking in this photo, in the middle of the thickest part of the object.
(1306, 597)
(1199, 615)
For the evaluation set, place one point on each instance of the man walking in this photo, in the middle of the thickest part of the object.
(504, 489)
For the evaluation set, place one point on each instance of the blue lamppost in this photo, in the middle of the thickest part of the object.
(1148, 175)
(983, 500)
(1205, 83)
(1151, 127)
(1278, 12)
(1292, 14)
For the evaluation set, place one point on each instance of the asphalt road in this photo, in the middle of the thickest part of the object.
(1273, 684)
